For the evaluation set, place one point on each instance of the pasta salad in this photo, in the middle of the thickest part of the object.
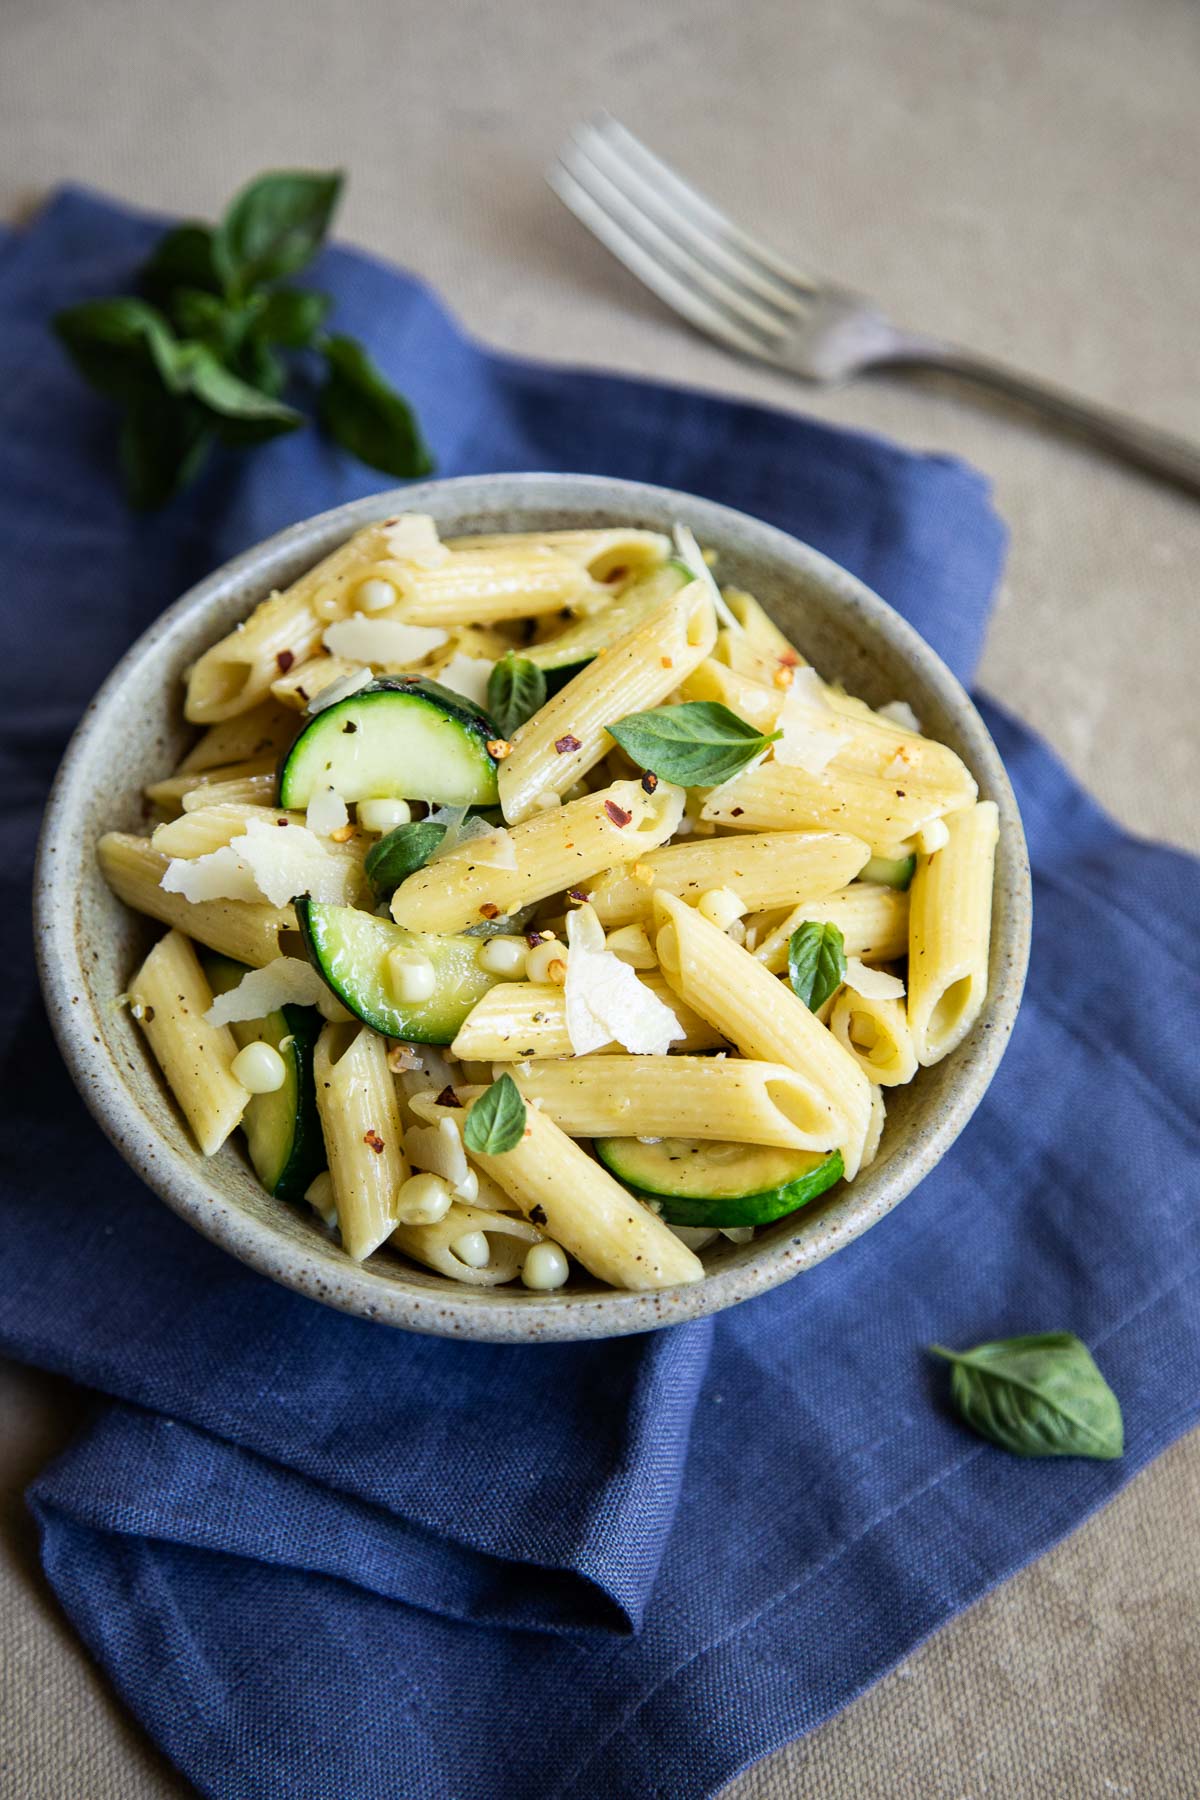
(531, 901)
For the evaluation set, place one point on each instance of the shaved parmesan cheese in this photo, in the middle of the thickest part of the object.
(467, 675)
(413, 538)
(221, 875)
(606, 1001)
(270, 861)
(872, 984)
(339, 690)
(900, 713)
(360, 639)
(439, 1149)
(691, 554)
(287, 981)
(812, 732)
(327, 812)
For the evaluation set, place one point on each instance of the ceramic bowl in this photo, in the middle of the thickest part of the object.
(133, 732)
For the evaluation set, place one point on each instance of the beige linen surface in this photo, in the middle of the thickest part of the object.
(1023, 177)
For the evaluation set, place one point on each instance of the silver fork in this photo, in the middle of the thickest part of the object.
(741, 292)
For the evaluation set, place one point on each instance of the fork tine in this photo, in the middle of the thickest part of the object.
(746, 280)
(701, 210)
(674, 292)
(740, 306)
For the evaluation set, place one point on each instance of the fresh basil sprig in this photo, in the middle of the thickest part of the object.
(399, 853)
(697, 744)
(1037, 1396)
(516, 689)
(495, 1122)
(194, 359)
(816, 962)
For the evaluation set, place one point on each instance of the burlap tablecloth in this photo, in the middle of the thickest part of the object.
(1023, 177)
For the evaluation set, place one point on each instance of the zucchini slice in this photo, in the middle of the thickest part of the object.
(283, 1131)
(564, 655)
(350, 950)
(693, 1182)
(398, 738)
(889, 871)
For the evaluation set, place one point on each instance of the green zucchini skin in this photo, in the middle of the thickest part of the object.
(693, 1182)
(565, 655)
(889, 871)
(283, 1129)
(398, 738)
(349, 950)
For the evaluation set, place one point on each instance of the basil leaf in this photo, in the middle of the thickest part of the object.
(184, 257)
(516, 689)
(496, 1121)
(292, 317)
(365, 415)
(395, 856)
(241, 414)
(274, 227)
(120, 346)
(816, 962)
(162, 445)
(1037, 1396)
(698, 744)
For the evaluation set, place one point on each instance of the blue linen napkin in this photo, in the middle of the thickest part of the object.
(325, 1560)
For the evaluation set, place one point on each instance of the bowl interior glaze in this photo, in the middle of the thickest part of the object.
(133, 732)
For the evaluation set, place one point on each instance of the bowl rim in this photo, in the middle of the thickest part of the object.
(169, 1167)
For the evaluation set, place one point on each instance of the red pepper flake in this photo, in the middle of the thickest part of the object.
(489, 911)
(537, 1215)
(578, 894)
(498, 749)
(566, 744)
(285, 659)
(283, 821)
(616, 813)
(899, 793)
(735, 812)
(448, 1097)
(666, 662)
(534, 938)
(649, 781)
(788, 658)
(373, 1141)
(617, 574)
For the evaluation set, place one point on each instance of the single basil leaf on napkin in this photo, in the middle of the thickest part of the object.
(495, 1122)
(1037, 1396)
(516, 689)
(367, 416)
(816, 962)
(697, 744)
(274, 227)
(395, 856)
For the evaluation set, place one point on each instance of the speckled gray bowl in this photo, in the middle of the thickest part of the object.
(133, 732)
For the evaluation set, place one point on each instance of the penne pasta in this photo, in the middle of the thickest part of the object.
(238, 928)
(550, 852)
(486, 586)
(876, 1034)
(261, 733)
(760, 627)
(763, 1018)
(580, 1206)
(508, 1238)
(607, 555)
(519, 1019)
(773, 796)
(567, 736)
(771, 870)
(360, 1121)
(872, 919)
(949, 929)
(169, 793)
(283, 630)
(682, 1096)
(170, 997)
(242, 790)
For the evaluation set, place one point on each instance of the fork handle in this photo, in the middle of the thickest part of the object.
(1159, 452)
